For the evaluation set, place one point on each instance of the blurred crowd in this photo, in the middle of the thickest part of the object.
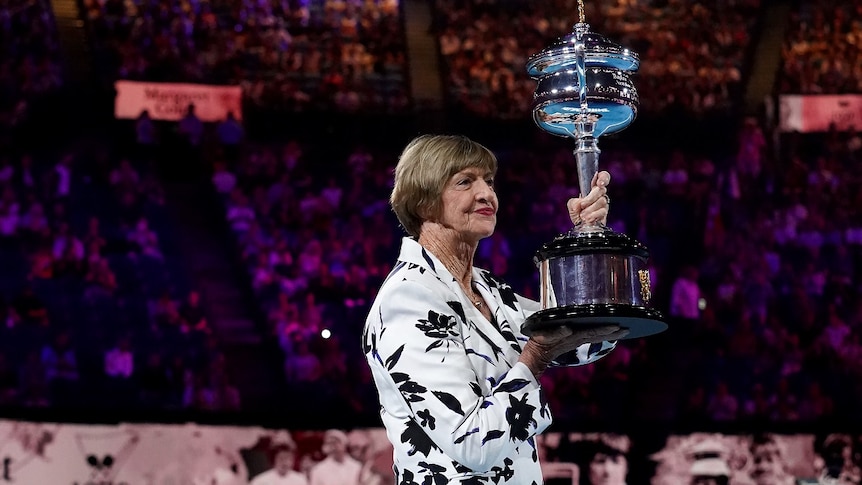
(755, 255)
(95, 308)
(693, 54)
(822, 51)
(30, 64)
(754, 258)
(342, 55)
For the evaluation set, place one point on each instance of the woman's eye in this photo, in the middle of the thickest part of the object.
(490, 182)
(464, 181)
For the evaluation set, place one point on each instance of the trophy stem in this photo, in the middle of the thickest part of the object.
(587, 158)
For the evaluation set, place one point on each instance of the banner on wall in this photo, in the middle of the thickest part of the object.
(816, 113)
(169, 101)
(191, 454)
(160, 454)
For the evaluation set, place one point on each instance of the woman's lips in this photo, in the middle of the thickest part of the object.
(486, 212)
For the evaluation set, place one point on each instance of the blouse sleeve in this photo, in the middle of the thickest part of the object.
(583, 355)
(423, 344)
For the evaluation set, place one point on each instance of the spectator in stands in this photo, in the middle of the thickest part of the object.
(144, 240)
(153, 381)
(33, 224)
(124, 178)
(223, 179)
(151, 189)
(836, 331)
(210, 391)
(165, 313)
(35, 388)
(749, 159)
(101, 281)
(68, 252)
(62, 176)
(301, 365)
(225, 396)
(756, 407)
(191, 128)
(815, 406)
(9, 382)
(145, 133)
(230, 134)
(60, 359)
(30, 308)
(722, 406)
(25, 177)
(7, 170)
(119, 360)
(196, 394)
(9, 216)
(783, 403)
(93, 237)
(240, 215)
(192, 314)
(686, 295)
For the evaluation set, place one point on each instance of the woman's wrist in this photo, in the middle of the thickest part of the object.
(535, 358)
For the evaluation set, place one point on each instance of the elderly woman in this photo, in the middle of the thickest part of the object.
(457, 379)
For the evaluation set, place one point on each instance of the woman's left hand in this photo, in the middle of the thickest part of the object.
(594, 207)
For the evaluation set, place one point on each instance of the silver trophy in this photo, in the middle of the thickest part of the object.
(591, 275)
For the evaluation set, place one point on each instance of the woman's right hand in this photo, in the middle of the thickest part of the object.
(546, 345)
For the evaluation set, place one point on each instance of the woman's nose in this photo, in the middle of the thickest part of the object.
(484, 190)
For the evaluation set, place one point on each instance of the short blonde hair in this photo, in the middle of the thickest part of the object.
(423, 169)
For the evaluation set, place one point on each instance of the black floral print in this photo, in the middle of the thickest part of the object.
(450, 385)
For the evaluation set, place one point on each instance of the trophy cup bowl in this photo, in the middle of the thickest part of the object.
(598, 52)
(592, 275)
(610, 94)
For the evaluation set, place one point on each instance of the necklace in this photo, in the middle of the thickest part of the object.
(478, 301)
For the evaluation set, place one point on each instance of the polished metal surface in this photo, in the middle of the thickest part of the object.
(591, 275)
(592, 279)
(598, 52)
(611, 102)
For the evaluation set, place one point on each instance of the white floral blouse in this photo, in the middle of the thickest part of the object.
(456, 404)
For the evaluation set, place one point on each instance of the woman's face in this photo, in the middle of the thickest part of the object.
(608, 469)
(469, 204)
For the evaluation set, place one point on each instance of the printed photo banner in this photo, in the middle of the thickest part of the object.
(169, 101)
(159, 454)
(816, 113)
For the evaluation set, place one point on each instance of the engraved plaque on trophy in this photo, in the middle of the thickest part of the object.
(591, 275)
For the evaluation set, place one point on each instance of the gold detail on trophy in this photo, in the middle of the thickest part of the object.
(646, 294)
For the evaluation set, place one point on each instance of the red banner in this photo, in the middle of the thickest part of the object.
(816, 113)
(170, 101)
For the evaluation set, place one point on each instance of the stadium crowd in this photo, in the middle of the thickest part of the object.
(30, 66)
(822, 52)
(347, 56)
(755, 256)
(693, 54)
(761, 285)
(95, 308)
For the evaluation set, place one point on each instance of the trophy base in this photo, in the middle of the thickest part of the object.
(639, 321)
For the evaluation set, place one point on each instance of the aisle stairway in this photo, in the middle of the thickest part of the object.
(74, 47)
(426, 85)
(767, 56)
(201, 234)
